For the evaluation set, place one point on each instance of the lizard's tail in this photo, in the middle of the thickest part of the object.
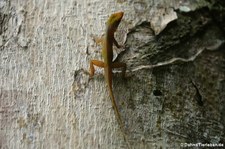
(108, 77)
(115, 106)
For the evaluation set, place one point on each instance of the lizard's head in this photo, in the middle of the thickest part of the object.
(114, 21)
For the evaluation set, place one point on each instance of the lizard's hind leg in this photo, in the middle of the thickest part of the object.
(96, 63)
(120, 65)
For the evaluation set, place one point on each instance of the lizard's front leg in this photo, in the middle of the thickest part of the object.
(116, 43)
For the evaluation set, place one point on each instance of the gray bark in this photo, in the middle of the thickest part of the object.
(173, 93)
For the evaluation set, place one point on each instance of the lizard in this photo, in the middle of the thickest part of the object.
(107, 41)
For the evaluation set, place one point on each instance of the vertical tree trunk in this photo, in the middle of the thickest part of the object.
(173, 94)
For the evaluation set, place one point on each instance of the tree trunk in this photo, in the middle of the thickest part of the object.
(173, 96)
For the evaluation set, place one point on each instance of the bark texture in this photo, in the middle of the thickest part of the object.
(175, 87)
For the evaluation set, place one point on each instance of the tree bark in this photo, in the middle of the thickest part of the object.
(173, 95)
